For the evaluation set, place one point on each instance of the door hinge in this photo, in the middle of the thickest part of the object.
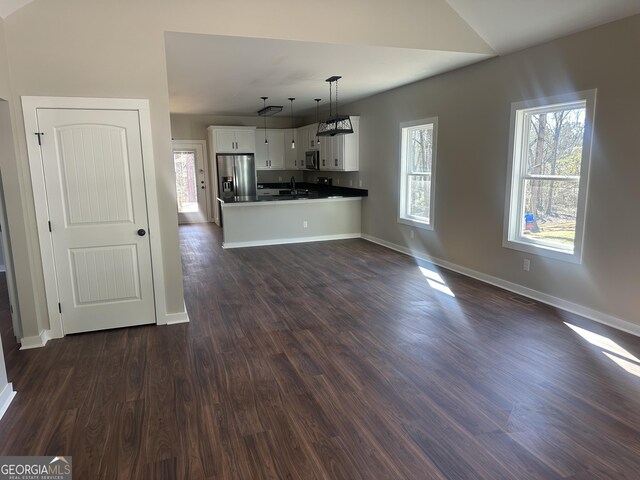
(39, 134)
(49, 222)
(11, 309)
(59, 307)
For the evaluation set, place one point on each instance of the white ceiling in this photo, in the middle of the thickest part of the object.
(7, 7)
(228, 75)
(510, 25)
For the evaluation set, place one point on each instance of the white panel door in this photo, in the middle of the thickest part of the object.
(94, 178)
(191, 184)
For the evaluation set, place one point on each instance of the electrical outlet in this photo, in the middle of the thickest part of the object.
(526, 264)
(360, 183)
(351, 183)
(412, 234)
(279, 179)
(305, 224)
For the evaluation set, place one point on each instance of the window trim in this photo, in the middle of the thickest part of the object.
(511, 239)
(402, 187)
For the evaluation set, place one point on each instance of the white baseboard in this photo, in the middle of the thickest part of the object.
(6, 396)
(284, 241)
(35, 341)
(560, 303)
(174, 318)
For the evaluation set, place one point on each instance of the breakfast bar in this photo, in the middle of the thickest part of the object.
(273, 218)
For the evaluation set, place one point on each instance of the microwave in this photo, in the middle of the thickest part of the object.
(312, 160)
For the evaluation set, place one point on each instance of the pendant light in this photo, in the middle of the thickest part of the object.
(317, 100)
(293, 140)
(264, 109)
(336, 124)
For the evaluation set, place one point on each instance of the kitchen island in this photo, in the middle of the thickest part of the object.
(278, 216)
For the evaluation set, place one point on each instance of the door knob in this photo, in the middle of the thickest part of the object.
(142, 232)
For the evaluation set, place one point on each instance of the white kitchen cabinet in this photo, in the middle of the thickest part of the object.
(308, 137)
(306, 141)
(270, 156)
(233, 139)
(226, 139)
(341, 153)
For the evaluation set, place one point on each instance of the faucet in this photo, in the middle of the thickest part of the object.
(293, 186)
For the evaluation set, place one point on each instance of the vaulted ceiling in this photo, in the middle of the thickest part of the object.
(220, 74)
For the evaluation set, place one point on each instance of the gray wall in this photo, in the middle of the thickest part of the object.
(473, 107)
(194, 127)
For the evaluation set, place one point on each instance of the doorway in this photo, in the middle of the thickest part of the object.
(191, 181)
(92, 170)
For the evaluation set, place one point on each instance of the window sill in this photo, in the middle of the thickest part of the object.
(549, 252)
(415, 223)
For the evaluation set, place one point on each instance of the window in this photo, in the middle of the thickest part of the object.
(549, 169)
(417, 169)
(186, 183)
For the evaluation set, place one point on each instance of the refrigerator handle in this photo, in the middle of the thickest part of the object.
(235, 180)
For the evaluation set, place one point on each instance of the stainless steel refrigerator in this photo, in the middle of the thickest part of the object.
(236, 176)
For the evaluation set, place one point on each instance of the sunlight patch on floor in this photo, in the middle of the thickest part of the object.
(435, 281)
(632, 368)
(611, 349)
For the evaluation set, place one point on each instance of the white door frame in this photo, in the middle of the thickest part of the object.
(8, 266)
(200, 146)
(29, 108)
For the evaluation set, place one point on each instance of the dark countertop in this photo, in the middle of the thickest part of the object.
(306, 191)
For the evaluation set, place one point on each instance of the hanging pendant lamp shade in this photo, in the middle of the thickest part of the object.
(336, 124)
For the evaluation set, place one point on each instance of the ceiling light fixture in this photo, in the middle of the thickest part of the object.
(335, 124)
(293, 140)
(269, 110)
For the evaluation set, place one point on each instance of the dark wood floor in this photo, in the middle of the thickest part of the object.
(332, 360)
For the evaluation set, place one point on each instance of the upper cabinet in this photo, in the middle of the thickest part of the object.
(307, 137)
(339, 153)
(270, 155)
(233, 139)
(342, 152)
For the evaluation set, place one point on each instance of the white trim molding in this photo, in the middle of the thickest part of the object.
(591, 314)
(6, 396)
(30, 105)
(175, 318)
(36, 341)
(284, 241)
